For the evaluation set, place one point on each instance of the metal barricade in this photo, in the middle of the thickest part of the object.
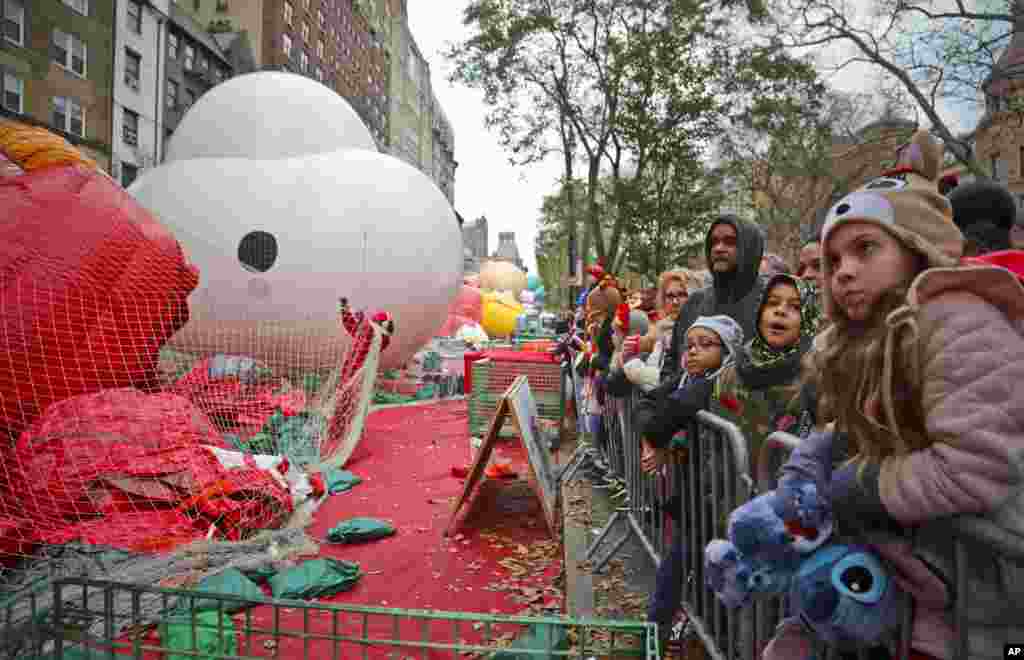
(104, 619)
(713, 481)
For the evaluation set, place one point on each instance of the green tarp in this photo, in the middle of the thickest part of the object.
(205, 633)
(295, 437)
(359, 530)
(315, 578)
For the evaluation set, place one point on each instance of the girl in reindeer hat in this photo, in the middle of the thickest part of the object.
(920, 371)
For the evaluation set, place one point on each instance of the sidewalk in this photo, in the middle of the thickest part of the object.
(620, 590)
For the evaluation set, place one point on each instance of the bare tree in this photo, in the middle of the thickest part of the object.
(939, 52)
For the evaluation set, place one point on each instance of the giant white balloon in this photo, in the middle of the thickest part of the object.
(278, 240)
(268, 115)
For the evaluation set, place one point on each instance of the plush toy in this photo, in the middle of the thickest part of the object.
(781, 544)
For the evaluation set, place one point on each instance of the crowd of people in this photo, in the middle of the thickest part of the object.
(893, 348)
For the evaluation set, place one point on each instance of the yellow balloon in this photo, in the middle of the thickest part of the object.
(501, 275)
(499, 317)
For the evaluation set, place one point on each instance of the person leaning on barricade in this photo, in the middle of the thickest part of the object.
(712, 344)
(760, 392)
(626, 322)
(733, 248)
(920, 370)
(642, 353)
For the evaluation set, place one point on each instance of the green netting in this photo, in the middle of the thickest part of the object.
(360, 530)
(202, 634)
(316, 578)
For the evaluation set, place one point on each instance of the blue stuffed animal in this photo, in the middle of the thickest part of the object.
(779, 544)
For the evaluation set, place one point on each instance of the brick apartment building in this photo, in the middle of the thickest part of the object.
(56, 61)
(800, 201)
(340, 43)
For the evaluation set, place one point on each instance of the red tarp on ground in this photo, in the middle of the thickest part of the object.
(405, 459)
(130, 470)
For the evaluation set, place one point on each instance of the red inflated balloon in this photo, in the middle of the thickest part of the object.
(91, 286)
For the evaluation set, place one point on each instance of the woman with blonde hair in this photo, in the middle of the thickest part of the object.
(673, 292)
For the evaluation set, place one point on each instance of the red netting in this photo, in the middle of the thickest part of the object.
(121, 425)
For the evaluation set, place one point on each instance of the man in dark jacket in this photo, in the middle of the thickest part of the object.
(733, 248)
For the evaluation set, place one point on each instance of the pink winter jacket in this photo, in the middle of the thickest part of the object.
(964, 328)
(969, 364)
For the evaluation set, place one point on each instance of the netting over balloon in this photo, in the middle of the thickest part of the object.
(127, 423)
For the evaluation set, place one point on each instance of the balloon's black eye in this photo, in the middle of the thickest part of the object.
(842, 208)
(257, 251)
(858, 579)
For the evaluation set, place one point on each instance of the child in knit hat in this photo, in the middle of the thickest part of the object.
(712, 342)
(920, 372)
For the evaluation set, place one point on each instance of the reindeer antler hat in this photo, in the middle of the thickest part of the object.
(905, 201)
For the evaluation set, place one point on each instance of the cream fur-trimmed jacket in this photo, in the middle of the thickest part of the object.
(962, 337)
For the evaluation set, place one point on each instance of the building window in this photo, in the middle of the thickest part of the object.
(68, 115)
(81, 6)
(289, 12)
(197, 5)
(320, 49)
(304, 62)
(999, 172)
(173, 44)
(13, 93)
(190, 57)
(14, 21)
(130, 128)
(190, 98)
(320, 18)
(129, 173)
(134, 16)
(319, 74)
(172, 94)
(132, 68)
(305, 32)
(69, 51)
(203, 62)
(286, 45)
(305, 4)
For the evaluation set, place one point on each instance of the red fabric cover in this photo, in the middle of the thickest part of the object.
(469, 303)
(468, 359)
(468, 307)
(535, 357)
(499, 355)
(236, 406)
(1011, 260)
(91, 286)
(452, 325)
(132, 470)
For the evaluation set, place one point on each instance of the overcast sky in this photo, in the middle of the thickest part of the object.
(485, 182)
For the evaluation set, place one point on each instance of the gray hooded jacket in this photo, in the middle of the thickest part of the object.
(736, 294)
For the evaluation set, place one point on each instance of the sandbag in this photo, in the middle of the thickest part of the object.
(316, 578)
(360, 530)
(213, 633)
(339, 481)
(229, 582)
